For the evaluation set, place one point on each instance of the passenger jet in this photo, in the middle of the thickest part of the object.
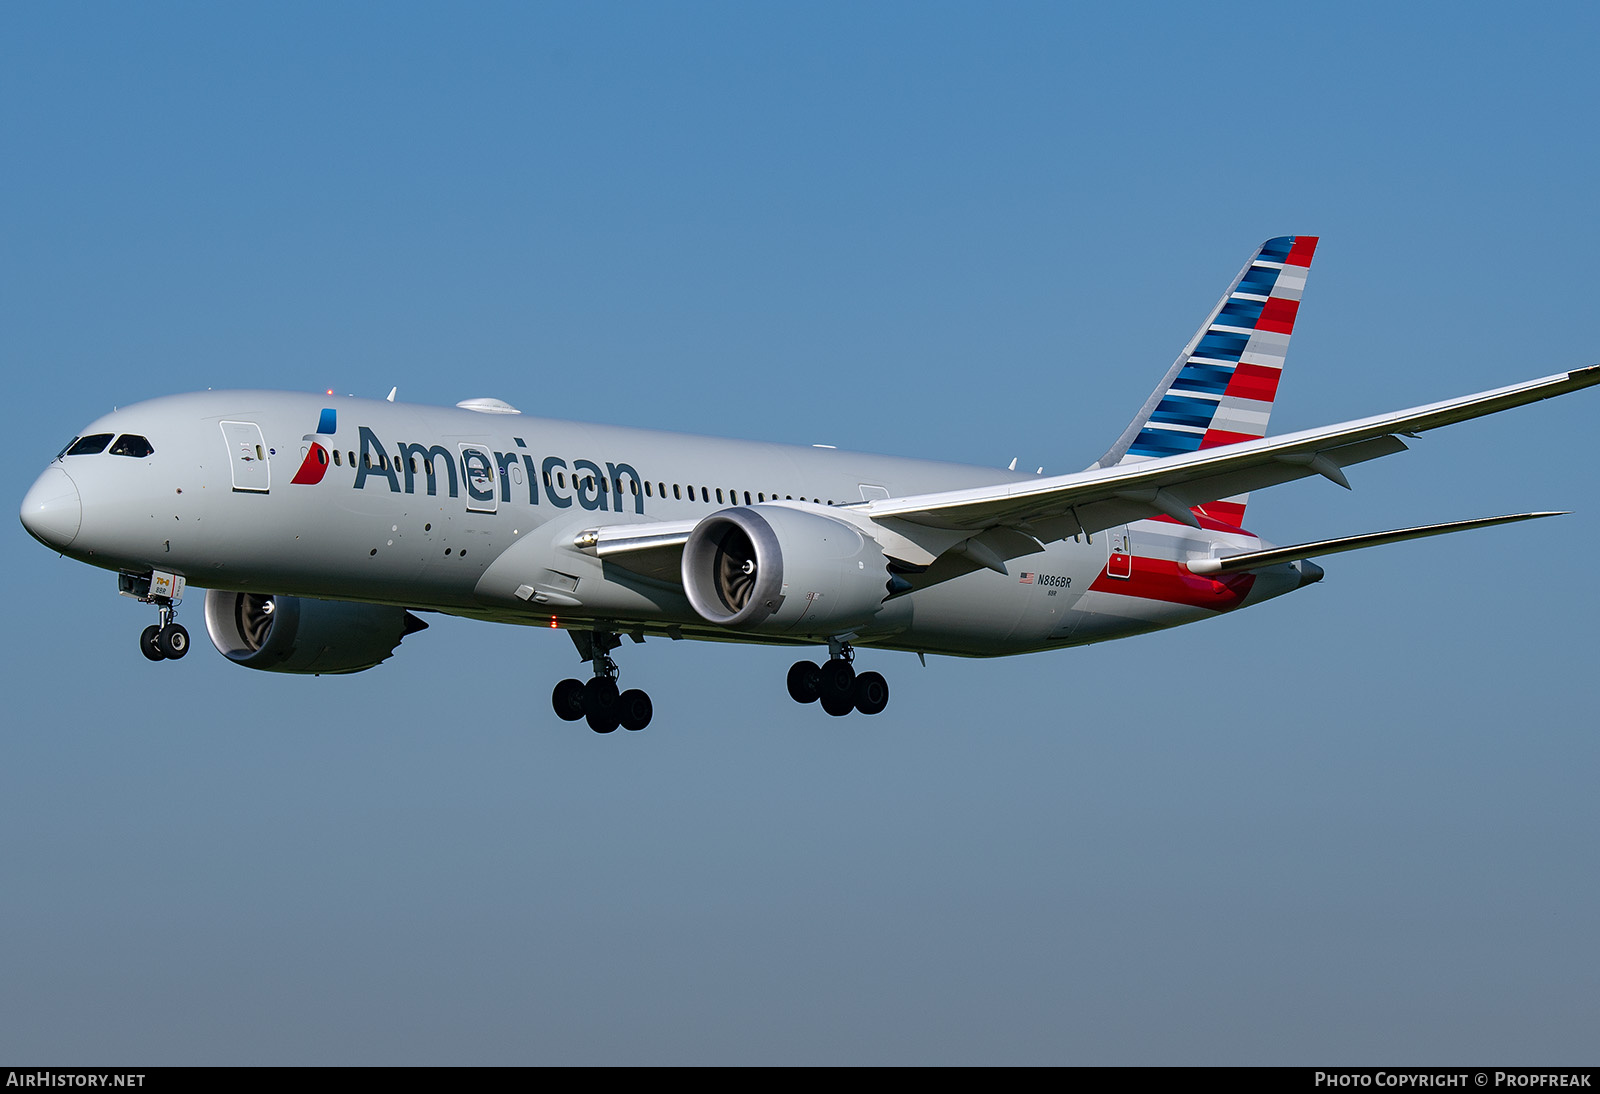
(321, 527)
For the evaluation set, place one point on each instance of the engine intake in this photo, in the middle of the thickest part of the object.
(291, 634)
(776, 569)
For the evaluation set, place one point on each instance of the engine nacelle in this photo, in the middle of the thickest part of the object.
(774, 569)
(291, 634)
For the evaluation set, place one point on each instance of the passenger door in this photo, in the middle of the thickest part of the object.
(247, 457)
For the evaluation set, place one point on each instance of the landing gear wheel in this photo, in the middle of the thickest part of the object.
(600, 723)
(597, 700)
(837, 682)
(871, 693)
(148, 644)
(172, 640)
(600, 704)
(568, 700)
(805, 682)
(634, 709)
(836, 706)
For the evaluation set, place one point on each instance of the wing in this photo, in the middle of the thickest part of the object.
(1048, 509)
(986, 525)
(653, 550)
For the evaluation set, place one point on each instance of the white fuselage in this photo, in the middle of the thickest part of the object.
(478, 514)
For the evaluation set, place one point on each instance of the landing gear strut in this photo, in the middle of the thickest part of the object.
(598, 701)
(168, 640)
(837, 685)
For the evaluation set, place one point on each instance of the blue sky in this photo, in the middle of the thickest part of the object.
(1356, 825)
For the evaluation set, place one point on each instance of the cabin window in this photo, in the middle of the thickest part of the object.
(647, 490)
(747, 497)
(705, 494)
(131, 444)
(88, 446)
(677, 492)
(633, 487)
(336, 462)
(719, 495)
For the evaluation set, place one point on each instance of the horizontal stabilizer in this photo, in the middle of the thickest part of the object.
(1256, 560)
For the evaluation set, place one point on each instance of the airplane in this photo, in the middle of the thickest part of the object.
(321, 527)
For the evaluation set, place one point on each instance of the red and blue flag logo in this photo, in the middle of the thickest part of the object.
(315, 465)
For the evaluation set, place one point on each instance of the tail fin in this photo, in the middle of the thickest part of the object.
(1221, 387)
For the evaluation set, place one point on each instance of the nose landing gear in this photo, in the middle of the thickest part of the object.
(168, 640)
(598, 701)
(837, 685)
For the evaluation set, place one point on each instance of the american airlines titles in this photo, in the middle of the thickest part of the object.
(591, 486)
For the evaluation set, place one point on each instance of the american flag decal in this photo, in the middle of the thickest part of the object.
(1027, 579)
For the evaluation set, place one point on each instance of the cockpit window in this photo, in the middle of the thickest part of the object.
(131, 444)
(88, 446)
(66, 446)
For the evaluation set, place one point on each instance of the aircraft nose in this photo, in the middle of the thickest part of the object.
(52, 512)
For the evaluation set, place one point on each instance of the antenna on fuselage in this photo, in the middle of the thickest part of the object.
(392, 392)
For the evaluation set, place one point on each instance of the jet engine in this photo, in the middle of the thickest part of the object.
(291, 634)
(780, 570)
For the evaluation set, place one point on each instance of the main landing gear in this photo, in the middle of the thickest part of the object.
(837, 685)
(598, 702)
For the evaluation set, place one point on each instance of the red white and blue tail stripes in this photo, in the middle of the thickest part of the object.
(1221, 387)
